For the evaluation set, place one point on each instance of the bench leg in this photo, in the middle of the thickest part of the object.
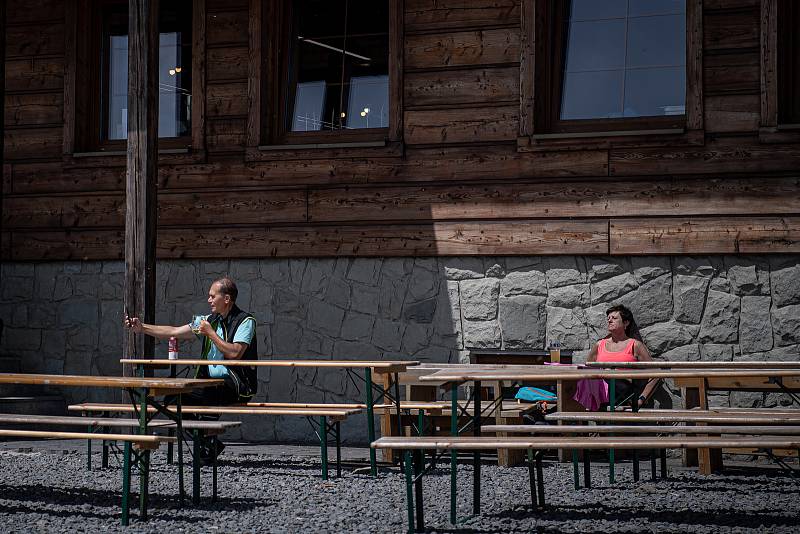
(214, 478)
(418, 471)
(532, 479)
(179, 433)
(170, 452)
(104, 462)
(144, 481)
(612, 394)
(664, 463)
(89, 451)
(575, 476)
(409, 489)
(338, 431)
(195, 467)
(373, 462)
(476, 456)
(587, 468)
(540, 477)
(323, 445)
(653, 463)
(126, 484)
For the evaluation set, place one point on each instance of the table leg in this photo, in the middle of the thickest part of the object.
(144, 457)
(373, 462)
(126, 484)
(338, 430)
(612, 401)
(453, 453)
(397, 408)
(418, 470)
(409, 490)
(195, 467)
(179, 433)
(476, 456)
(532, 479)
(323, 445)
(575, 475)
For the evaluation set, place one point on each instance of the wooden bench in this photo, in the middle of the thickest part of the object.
(198, 429)
(535, 446)
(327, 417)
(132, 442)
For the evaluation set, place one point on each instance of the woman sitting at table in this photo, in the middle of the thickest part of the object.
(624, 344)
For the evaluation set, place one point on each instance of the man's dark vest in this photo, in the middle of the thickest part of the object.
(245, 379)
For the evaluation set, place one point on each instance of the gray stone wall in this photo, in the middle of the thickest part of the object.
(66, 317)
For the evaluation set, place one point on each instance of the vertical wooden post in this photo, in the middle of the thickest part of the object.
(3, 242)
(141, 179)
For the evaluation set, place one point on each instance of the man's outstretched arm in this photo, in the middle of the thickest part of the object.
(158, 331)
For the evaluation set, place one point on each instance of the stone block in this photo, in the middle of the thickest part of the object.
(72, 267)
(244, 299)
(611, 289)
(20, 339)
(338, 293)
(364, 270)
(532, 282)
(520, 263)
(274, 271)
(481, 334)
(364, 299)
(567, 326)
(416, 338)
(479, 298)
(648, 267)
(392, 295)
(83, 338)
(315, 278)
(62, 289)
(786, 286)
(261, 301)
(786, 325)
(324, 318)
(716, 353)
(420, 312)
(423, 283)
(18, 288)
(755, 326)
(495, 271)
(387, 335)
(689, 297)
(746, 399)
(696, 266)
(78, 312)
(25, 270)
(244, 269)
(651, 302)
(603, 268)
(288, 303)
(352, 350)
(574, 296)
(113, 267)
(78, 362)
(663, 337)
(744, 280)
(785, 354)
(463, 268)
(686, 353)
(91, 267)
(181, 282)
(720, 283)
(564, 271)
(720, 322)
(596, 321)
(522, 321)
(392, 268)
(45, 284)
(286, 335)
(315, 345)
(357, 326)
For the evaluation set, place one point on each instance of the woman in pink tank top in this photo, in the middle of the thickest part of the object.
(623, 344)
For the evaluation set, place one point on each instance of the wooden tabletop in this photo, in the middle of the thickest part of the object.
(764, 418)
(697, 365)
(553, 373)
(385, 366)
(157, 386)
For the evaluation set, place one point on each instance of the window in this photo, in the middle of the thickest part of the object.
(329, 73)
(174, 71)
(788, 62)
(96, 77)
(600, 66)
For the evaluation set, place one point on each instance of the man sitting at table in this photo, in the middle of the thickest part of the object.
(228, 333)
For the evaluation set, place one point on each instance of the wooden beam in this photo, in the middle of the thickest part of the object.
(769, 60)
(140, 213)
(3, 169)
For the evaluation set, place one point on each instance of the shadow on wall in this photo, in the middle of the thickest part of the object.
(66, 317)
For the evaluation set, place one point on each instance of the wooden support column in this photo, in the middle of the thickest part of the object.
(141, 179)
(3, 242)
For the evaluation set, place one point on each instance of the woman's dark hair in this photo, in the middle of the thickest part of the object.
(632, 330)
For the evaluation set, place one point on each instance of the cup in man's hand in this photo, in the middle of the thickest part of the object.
(196, 321)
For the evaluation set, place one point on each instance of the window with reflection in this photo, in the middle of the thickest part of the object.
(174, 70)
(624, 58)
(339, 66)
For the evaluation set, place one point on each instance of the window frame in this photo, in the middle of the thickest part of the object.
(772, 128)
(269, 88)
(83, 94)
(541, 65)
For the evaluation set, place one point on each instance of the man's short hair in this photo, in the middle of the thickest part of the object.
(227, 287)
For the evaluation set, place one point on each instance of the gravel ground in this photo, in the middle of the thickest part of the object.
(278, 489)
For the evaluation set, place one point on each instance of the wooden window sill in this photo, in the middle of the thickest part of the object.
(110, 158)
(356, 149)
(610, 139)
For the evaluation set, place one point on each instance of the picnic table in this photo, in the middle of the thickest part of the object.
(143, 392)
(563, 375)
(389, 369)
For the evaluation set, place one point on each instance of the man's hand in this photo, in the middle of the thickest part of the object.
(133, 323)
(205, 328)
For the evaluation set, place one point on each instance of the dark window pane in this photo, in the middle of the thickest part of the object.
(592, 95)
(174, 71)
(596, 45)
(633, 66)
(340, 72)
(654, 92)
(656, 7)
(598, 9)
(657, 41)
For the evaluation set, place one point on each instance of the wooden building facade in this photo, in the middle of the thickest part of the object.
(468, 164)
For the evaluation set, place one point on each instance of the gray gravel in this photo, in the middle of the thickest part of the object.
(278, 489)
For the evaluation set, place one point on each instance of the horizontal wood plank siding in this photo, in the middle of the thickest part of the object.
(745, 235)
(430, 15)
(461, 125)
(469, 86)
(459, 49)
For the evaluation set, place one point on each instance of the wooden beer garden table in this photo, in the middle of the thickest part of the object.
(142, 393)
(389, 369)
(564, 375)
